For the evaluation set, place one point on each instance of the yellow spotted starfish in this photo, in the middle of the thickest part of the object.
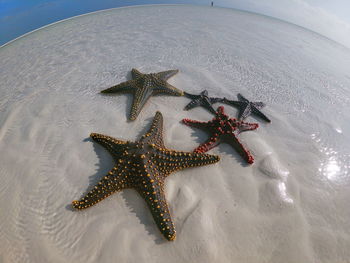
(143, 165)
(143, 86)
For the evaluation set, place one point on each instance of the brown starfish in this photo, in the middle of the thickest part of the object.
(221, 127)
(143, 86)
(143, 165)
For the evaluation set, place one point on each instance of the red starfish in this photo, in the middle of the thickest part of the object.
(221, 127)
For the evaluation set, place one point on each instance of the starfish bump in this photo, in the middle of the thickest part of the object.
(247, 107)
(144, 86)
(221, 127)
(143, 165)
(201, 100)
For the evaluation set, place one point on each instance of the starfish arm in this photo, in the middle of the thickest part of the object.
(167, 89)
(165, 75)
(124, 87)
(232, 102)
(246, 126)
(155, 133)
(207, 145)
(215, 100)
(261, 115)
(243, 152)
(204, 93)
(113, 145)
(192, 104)
(244, 112)
(241, 98)
(111, 183)
(191, 96)
(209, 107)
(220, 112)
(136, 74)
(258, 105)
(169, 161)
(141, 96)
(155, 199)
(196, 124)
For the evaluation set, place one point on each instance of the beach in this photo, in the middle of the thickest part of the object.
(291, 205)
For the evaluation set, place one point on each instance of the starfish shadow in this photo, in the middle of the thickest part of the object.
(105, 160)
(252, 118)
(70, 208)
(145, 128)
(229, 150)
(223, 147)
(103, 166)
(138, 207)
(129, 97)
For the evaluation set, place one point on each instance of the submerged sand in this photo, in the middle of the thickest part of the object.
(291, 205)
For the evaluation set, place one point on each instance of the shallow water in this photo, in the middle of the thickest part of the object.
(291, 205)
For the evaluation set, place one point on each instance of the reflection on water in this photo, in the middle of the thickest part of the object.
(338, 130)
(335, 169)
(335, 166)
(330, 169)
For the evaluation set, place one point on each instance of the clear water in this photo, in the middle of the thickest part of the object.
(290, 206)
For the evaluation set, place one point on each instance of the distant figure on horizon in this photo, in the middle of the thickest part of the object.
(212, 3)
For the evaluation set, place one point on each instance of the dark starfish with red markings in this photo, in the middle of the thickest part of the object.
(247, 107)
(144, 86)
(201, 100)
(223, 128)
(143, 165)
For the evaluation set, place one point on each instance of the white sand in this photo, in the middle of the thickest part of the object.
(291, 205)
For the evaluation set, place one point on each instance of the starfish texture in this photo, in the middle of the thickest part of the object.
(221, 127)
(247, 108)
(143, 86)
(143, 165)
(201, 100)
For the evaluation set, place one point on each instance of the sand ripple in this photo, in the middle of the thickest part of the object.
(290, 206)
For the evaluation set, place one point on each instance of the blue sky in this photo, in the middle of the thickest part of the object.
(329, 18)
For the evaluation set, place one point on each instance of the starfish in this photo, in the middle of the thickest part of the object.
(143, 165)
(246, 107)
(201, 100)
(143, 86)
(221, 127)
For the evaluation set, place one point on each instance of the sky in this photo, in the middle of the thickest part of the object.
(328, 18)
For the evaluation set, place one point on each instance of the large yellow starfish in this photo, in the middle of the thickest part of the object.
(144, 165)
(143, 86)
